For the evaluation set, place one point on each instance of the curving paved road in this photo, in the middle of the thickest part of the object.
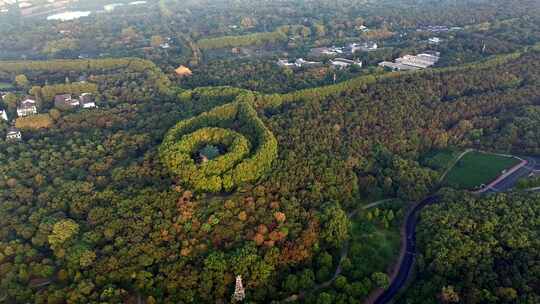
(410, 251)
(532, 166)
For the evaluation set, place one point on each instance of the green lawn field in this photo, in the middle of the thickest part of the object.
(5, 85)
(374, 247)
(440, 160)
(476, 168)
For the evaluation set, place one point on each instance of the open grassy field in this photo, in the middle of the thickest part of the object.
(5, 85)
(374, 246)
(476, 168)
(34, 122)
(440, 160)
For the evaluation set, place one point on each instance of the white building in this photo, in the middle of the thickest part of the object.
(285, 63)
(343, 63)
(371, 46)
(421, 60)
(3, 115)
(434, 40)
(110, 7)
(365, 47)
(27, 107)
(87, 101)
(363, 28)
(24, 4)
(65, 101)
(300, 62)
(397, 66)
(410, 62)
(13, 134)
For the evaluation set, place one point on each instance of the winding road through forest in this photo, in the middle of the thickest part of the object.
(407, 255)
(408, 251)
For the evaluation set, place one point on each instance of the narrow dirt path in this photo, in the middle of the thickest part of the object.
(454, 163)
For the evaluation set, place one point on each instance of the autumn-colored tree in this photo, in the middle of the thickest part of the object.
(63, 230)
(22, 81)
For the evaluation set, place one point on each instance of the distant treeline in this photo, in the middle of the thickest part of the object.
(79, 65)
(96, 70)
(279, 35)
(272, 102)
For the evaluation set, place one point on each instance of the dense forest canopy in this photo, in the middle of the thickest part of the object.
(81, 183)
(297, 180)
(479, 250)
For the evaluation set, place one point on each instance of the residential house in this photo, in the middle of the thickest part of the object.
(353, 48)
(87, 101)
(370, 46)
(27, 107)
(285, 63)
(65, 102)
(343, 63)
(13, 134)
(3, 115)
(365, 47)
(298, 63)
(434, 40)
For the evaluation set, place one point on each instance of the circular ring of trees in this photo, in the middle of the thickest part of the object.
(250, 148)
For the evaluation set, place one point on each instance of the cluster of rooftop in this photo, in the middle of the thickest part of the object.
(4, 5)
(28, 107)
(438, 29)
(66, 101)
(350, 49)
(33, 8)
(336, 63)
(298, 63)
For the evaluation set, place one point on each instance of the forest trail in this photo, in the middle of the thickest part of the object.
(454, 163)
(343, 255)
